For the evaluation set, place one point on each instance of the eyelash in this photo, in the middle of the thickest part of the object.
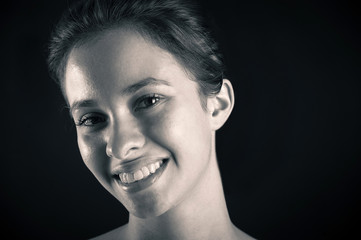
(94, 118)
(154, 101)
(91, 119)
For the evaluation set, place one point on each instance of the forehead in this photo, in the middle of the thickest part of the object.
(116, 59)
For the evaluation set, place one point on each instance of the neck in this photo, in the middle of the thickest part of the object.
(204, 215)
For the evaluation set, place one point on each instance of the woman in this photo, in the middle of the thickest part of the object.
(145, 87)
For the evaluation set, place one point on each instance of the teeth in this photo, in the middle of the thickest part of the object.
(145, 171)
(123, 177)
(138, 175)
(130, 178)
(141, 173)
(157, 165)
(151, 168)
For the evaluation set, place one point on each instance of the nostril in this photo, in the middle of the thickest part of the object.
(121, 153)
(109, 151)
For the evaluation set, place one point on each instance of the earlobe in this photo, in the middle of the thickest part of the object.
(221, 105)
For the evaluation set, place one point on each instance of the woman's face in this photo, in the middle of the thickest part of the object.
(140, 125)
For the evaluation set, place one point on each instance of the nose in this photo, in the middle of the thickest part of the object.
(125, 140)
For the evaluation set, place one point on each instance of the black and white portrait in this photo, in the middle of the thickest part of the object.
(181, 119)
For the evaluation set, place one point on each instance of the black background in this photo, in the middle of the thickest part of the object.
(289, 155)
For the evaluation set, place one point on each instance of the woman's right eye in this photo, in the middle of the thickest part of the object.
(90, 120)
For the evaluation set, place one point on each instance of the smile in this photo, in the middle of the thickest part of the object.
(140, 174)
(142, 177)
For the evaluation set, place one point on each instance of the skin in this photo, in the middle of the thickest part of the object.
(116, 126)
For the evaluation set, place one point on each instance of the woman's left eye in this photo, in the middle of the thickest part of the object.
(147, 101)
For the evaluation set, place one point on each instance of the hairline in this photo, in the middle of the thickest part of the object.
(87, 38)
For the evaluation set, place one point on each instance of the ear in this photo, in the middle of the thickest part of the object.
(221, 105)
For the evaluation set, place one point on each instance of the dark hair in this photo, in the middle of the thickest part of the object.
(173, 25)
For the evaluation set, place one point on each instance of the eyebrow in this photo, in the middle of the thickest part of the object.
(81, 104)
(127, 91)
(143, 83)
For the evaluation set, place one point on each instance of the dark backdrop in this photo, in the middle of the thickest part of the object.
(289, 155)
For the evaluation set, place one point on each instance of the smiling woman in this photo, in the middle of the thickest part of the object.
(145, 86)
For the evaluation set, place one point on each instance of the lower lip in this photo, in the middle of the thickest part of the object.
(144, 183)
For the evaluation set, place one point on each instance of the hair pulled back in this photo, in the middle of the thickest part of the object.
(174, 25)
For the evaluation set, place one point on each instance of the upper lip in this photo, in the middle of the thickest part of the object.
(134, 165)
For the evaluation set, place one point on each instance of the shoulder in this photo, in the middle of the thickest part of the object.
(113, 234)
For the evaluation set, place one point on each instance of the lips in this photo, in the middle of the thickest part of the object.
(135, 177)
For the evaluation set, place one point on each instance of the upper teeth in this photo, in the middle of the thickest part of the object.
(141, 173)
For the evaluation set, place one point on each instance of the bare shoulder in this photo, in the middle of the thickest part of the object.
(117, 233)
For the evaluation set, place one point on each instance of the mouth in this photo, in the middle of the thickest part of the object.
(141, 178)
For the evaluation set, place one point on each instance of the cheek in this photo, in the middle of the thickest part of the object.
(94, 156)
(186, 134)
(183, 130)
